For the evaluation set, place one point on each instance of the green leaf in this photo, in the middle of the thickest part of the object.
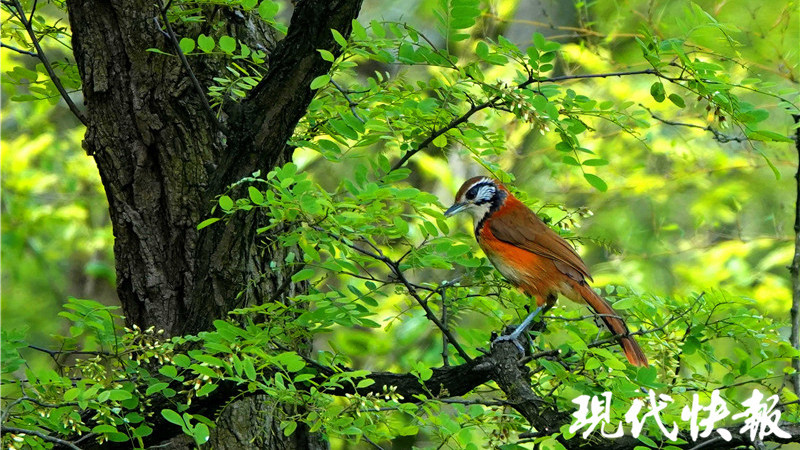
(377, 28)
(227, 44)
(766, 135)
(343, 129)
(320, 81)
(101, 429)
(339, 38)
(206, 389)
(302, 275)
(365, 383)
(168, 371)
(200, 433)
(288, 427)
(677, 100)
(596, 181)
(118, 395)
(255, 195)
(172, 417)
(267, 10)
(186, 45)
(625, 303)
(401, 225)
(207, 222)
(440, 141)
(326, 55)
(206, 43)
(482, 50)
(226, 203)
(158, 387)
(657, 91)
(142, 431)
(181, 360)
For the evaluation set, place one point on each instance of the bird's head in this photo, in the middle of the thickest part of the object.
(478, 196)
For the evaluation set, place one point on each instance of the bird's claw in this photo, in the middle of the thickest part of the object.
(512, 338)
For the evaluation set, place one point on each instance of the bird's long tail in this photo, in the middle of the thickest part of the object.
(615, 324)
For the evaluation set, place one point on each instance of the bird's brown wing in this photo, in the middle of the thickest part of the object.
(519, 226)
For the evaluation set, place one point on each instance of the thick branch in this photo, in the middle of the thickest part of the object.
(170, 33)
(259, 129)
(269, 115)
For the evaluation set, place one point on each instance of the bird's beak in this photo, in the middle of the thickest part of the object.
(455, 209)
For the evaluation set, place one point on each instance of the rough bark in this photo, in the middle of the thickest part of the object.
(794, 268)
(162, 160)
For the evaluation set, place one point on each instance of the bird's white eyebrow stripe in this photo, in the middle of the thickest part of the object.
(480, 181)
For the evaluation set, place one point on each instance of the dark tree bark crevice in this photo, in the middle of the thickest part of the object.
(162, 161)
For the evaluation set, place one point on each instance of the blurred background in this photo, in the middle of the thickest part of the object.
(683, 212)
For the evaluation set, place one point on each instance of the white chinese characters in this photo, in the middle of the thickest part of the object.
(761, 419)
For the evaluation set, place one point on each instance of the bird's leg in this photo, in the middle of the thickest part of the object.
(600, 326)
(523, 327)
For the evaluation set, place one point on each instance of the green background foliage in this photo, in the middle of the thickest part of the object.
(675, 184)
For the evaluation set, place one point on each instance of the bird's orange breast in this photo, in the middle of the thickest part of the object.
(533, 274)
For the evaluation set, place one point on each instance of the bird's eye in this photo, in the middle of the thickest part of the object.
(471, 194)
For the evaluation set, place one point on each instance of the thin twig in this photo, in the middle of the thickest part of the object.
(722, 138)
(493, 102)
(19, 50)
(602, 75)
(372, 443)
(55, 440)
(33, 11)
(394, 267)
(445, 357)
(350, 101)
(453, 124)
(54, 353)
(200, 91)
(46, 63)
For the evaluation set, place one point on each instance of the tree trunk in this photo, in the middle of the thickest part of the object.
(163, 159)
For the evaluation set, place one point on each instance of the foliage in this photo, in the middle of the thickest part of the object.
(392, 287)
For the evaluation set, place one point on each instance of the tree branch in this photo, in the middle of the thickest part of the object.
(19, 50)
(350, 101)
(200, 91)
(46, 62)
(5, 429)
(722, 138)
(394, 267)
(493, 101)
(268, 116)
(794, 269)
(453, 124)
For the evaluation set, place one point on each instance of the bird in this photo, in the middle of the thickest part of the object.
(534, 258)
